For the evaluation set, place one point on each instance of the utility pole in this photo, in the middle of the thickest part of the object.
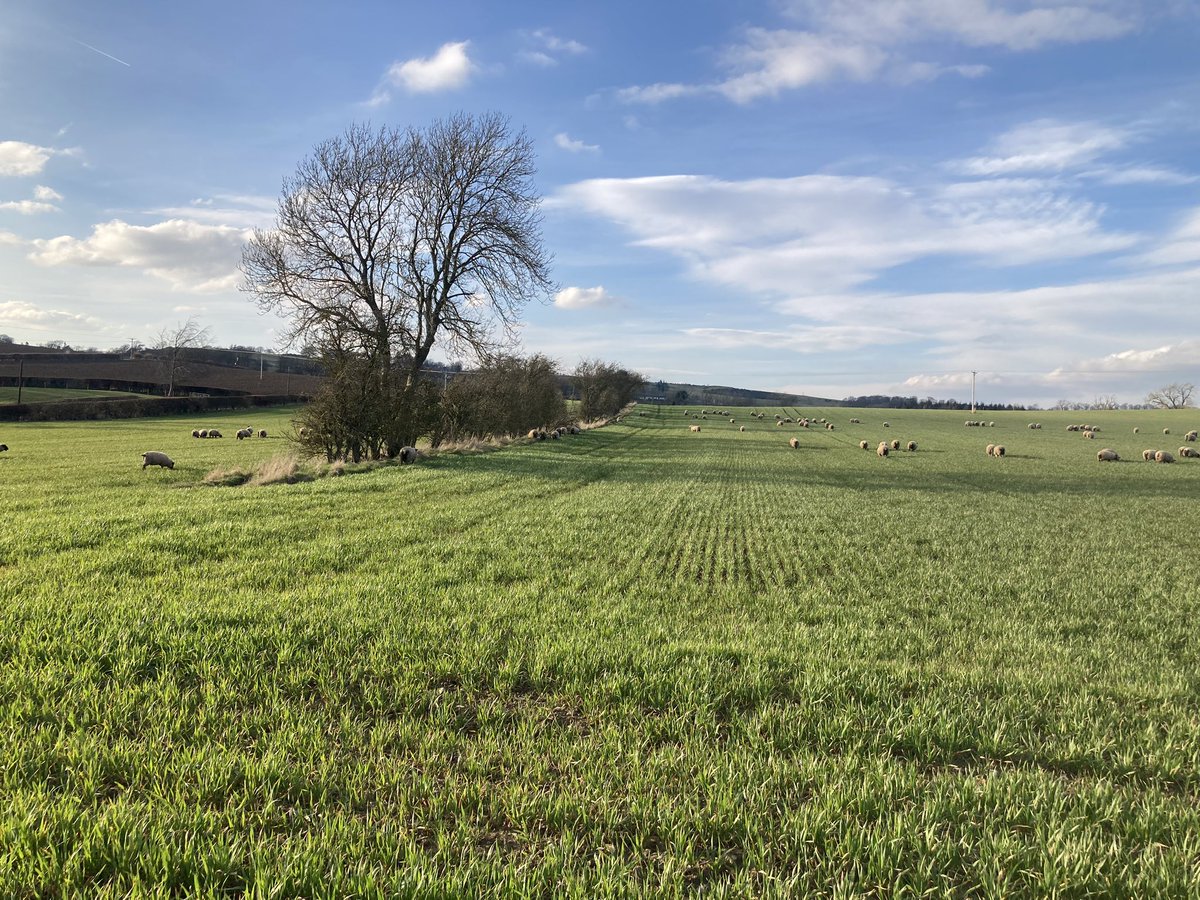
(973, 374)
(20, 378)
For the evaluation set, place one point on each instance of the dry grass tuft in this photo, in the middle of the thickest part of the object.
(279, 469)
(227, 477)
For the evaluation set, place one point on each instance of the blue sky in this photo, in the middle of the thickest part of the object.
(829, 196)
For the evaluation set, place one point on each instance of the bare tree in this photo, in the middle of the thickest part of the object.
(1174, 396)
(387, 242)
(1106, 401)
(173, 344)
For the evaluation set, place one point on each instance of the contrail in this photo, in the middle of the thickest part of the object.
(102, 53)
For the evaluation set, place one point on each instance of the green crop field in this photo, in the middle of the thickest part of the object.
(636, 661)
(45, 395)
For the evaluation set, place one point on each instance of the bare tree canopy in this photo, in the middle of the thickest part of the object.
(173, 342)
(387, 242)
(1174, 396)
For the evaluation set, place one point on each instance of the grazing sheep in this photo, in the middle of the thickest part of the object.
(911, 446)
(741, 428)
(1090, 435)
(864, 445)
(886, 425)
(262, 432)
(779, 424)
(574, 429)
(533, 434)
(3, 448)
(1190, 436)
(407, 455)
(553, 435)
(828, 425)
(695, 427)
(990, 448)
(1164, 456)
(991, 424)
(1135, 431)
(1166, 431)
(243, 433)
(203, 433)
(731, 421)
(213, 433)
(195, 432)
(155, 458)
(1148, 455)
(1185, 452)
(855, 422)
(793, 443)
(998, 450)
(882, 449)
(1107, 455)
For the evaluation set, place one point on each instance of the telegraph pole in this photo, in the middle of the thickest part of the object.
(973, 374)
(20, 378)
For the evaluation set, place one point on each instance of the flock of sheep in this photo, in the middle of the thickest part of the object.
(160, 459)
(994, 450)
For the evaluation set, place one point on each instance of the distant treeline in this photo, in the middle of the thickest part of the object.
(888, 402)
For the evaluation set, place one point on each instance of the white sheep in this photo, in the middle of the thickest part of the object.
(156, 458)
(1090, 435)
(1166, 431)
(262, 433)
(243, 433)
(1190, 436)
(1148, 455)
(793, 443)
(912, 445)
(407, 455)
(990, 448)
(1107, 455)
(741, 428)
(1164, 456)
(863, 445)
(882, 449)
(887, 425)
(195, 432)
(896, 444)
(695, 428)
(203, 433)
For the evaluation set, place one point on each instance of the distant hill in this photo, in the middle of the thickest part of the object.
(682, 393)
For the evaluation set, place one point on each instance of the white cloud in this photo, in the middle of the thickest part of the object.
(565, 142)
(1180, 356)
(24, 314)
(820, 339)
(28, 207)
(538, 58)
(813, 235)
(7, 237)
(46, 194)
(1014, 24)
(450, 67)
(584, 298)
(555, 44)
(1047, 145)
(1181, 244)
(860, 40)
(1139, 175)
(188, 255)
(19, 158)
(236, 210)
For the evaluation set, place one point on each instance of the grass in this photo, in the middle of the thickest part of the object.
(46, 395)
(634, 661)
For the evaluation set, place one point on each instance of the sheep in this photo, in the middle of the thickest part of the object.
(731, 421)
(195, 432)
(887, 425)
(1185, 452)
(829, 425)
(1148, 455)
(3, 448)
(203, 433)
(213, 433)
(574, 429)
(779, 424)
(863, 445)
(695, 427)
(1164, 456)
(991, 424)
(1190, 436)
(243, 433)
(882, 449)
(896, 444)
(794, 443)
(998, 450)
(156, 458)
(553, 435)
(741, 428)
(911, 446)
(1107, 455)
(533, 435)
(1166, 431)
(1136, 430)
(990, 448)
(407, 455)
(262, 432)
(855, 422)
(1090, 435)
